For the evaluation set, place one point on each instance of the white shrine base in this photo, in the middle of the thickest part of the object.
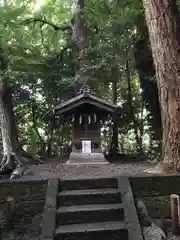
(87, 158)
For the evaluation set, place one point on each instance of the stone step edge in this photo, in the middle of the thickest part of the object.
(89, 208)
(90, 227)
(88, 183)
(100, 191)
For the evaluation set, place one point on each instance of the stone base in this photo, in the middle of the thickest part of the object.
(82, 158)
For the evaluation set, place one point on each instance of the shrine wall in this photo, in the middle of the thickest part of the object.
(155, 191)
(28, 194)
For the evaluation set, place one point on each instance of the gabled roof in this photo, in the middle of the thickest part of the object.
(84, 98)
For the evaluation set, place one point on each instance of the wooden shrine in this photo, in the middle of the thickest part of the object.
(87, 113)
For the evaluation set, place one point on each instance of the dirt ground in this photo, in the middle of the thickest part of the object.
(171, 237)
(64, 171)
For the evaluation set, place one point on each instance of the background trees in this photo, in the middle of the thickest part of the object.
(51, 48)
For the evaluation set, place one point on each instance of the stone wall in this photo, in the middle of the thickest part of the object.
(155, 191)
(29, 196)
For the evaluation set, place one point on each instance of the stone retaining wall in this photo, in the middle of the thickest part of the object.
(155, 191)
(29, 196)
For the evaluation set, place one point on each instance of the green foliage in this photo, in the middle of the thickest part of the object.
(12, 236)
(41, 66)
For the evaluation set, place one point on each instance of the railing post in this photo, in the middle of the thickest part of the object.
(130, 211)
(49, 217)
(175, 213)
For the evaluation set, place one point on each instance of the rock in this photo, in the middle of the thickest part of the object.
(33, 230)
(36, 224)
(144, 218)
(28, 171)
(153, 232)
(164, 224)
(19, 171)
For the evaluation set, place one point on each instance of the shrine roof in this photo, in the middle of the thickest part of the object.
(84, 98)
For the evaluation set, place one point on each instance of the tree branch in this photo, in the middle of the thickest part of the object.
(63, 27)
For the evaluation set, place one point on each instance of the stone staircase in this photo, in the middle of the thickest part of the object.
(90, 209)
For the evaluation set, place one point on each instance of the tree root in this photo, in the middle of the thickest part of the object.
(168, 167)
(17, 165)
(13, 166)
(18, 172)
(8, 164)
(31, 157)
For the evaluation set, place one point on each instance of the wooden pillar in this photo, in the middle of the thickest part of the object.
(175, 213)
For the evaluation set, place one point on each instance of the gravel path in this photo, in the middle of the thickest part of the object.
(64, 171)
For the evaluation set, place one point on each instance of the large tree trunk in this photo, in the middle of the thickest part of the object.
(10, 163)
(164, 31)
(5, 120)
(78, 34)
(78, 39)
(8, 139)
(145, 67)
(13, 126)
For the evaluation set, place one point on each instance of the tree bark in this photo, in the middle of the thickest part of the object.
(14, 132)
(78, 29)
(145, 67)
(11, 146)
(130, 101)
(42, 143)
(164, 31)
(114, 140)
(5, 120)
(50, 138)
(78, 40)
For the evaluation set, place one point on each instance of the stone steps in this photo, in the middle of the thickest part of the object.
(90, 209)
(93, 183)
(88, 196)
(89, 213)
(93, 231)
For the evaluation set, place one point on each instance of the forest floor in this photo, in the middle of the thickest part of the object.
(61, 170)
(171, 237)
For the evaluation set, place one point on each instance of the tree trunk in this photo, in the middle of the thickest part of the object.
(5, 121)
(145, 67)
(114, 140)
(164, 31)
(8, 140)
(14, 132)
(146, 70)
(11, 147)
(78, 38)
(49, 143)
(134, 120)
(78, 34)
(42, 143)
